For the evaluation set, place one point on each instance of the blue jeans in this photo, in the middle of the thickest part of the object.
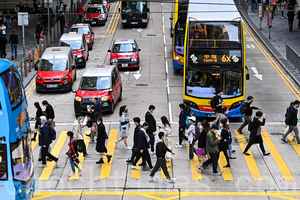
(73, 165)
(14, 48)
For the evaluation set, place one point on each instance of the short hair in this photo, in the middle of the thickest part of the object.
(45, 102)
(137, 120)
(296, 102)
(250, 98)
(145, 124)
(151, 107)
(70, 134)
(259, 114)
(161, 134)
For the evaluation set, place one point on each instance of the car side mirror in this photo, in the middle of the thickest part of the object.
(93, 33)
(171, 18)
(73, 91)
(109, 51)
(247, 76)
(139, 49)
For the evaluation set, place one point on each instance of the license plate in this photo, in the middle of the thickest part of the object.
(93, 22)
(52, 86)
(124, 65)
(134, 22)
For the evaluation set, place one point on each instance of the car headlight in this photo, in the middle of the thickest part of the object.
(114, 61)
(77, 98)
(134, 59)
(177, 57)
(105, 98)
(79, 56)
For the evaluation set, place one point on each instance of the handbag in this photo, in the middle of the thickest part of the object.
(79, 146)
(200, 152)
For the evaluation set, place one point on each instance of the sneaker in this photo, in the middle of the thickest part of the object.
(178, 146)
(100, 161)
(283, 140)
(232, 157)
(171, 181)
(129, 161)
(108, 158)
(266, 154)
(247, 154)
(227, 166)
(134, 167)
(216, 174)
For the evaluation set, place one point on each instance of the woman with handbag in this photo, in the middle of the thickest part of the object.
(124, 125)
(73, 154)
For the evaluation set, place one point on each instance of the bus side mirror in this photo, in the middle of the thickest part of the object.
(247, 73)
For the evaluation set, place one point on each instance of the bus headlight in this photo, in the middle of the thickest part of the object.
(177, 57)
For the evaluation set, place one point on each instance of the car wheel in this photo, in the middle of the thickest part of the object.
(144, 25)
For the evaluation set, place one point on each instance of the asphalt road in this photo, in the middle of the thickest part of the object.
(254, 177)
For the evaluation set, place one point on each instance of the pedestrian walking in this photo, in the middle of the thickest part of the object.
(49, 112)
(91, 123)
(291, 4)
(182, 125)
(13, 41)
(212, 149)
(3, 42)
(247, 111)
(39, 112)
(124, 125)
(46, 137)
(142, 148)
(100, 142)
(160, 151)
(38, 31)
(225, 141)
(166, 128)
(72, 154)
(78, 135)
(255, 133)
(291, 121)
(149, 118)
(137, 122)
(204, 128)
(191, 134)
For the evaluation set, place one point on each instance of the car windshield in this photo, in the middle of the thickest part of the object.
(95, 9)
(54, 64)
(95, 1)
(123, 48)
(21, 158)
(3, 162)
(81, 30)
(129, 6)
(73, 44)
(95, 83)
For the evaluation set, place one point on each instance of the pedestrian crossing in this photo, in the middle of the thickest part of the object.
(228, 174)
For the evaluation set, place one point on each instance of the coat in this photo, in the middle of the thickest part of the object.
(151, 121)
(49, 112)
(142, 143)
(255, 131)
(136, 136)
(101, 138)
(212, 143)
(291, 116)
(45, 138)
(225, 139)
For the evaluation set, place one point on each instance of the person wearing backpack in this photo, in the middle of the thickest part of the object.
(255, 133)
(291, 120)
(247, 111)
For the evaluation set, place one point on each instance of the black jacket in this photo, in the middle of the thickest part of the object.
(135, 136)
(216, 103)
(255, 135)
(247, 109)
(44, 136)
(49, 112)
(202, 139)
(101, 132)
(39, 112)
(142, 143)
(13, 39)
(161, 149)
(225, 139)
(291, 116)
(182, 119)
(151, 121)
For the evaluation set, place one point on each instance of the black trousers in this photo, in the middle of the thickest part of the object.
(214, 157)
(145, 158)
(225, 152)
(134, 153)
(152, 141)
(291, 16)
(261, 146)
(45, 153)
(181, 135)
(83, 147)
(160, 163)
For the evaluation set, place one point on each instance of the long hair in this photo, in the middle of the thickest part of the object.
(122, 109)
(165, 121)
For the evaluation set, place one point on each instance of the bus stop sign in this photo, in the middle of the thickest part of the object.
(23, 18)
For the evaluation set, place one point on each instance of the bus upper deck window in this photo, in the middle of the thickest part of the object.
(14, 86)
(3, 162)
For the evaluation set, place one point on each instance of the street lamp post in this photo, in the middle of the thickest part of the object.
(48, 21)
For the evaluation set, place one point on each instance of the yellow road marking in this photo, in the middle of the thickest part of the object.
(169, 166)
(81, 158)
(47, 171)
(109, 27)
(283, 168)
(35, 143)
(136, 173)
(226, 172)
(251, 162)
(115, 23)
(111, 146)
(196, 175)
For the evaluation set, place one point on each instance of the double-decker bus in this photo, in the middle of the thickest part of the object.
(215, 57)
(178, 21)
(16, 163)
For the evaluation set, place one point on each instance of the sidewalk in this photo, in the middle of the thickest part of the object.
(280, 37)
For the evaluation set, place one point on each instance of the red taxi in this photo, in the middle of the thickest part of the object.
(104, 2)
(95, 14)
(56, 70)
(87, 31)
(100, 83)
(78, 45)
(125, 54)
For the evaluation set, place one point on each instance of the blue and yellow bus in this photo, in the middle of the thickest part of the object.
(178, 20)
(215, 57)
(16, 163)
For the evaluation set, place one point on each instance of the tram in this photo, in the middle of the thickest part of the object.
(178, 21)
(214, 57)
(16, 161)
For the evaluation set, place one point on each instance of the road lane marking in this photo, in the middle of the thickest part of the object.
(115, 21)
(282, 166)
(56, 149)
(226, 172)
(196, 174)
(136, 173)
(169, 167)
(35, 143)
(111, 146)
(112, 19)
(250, 161)
(81, 157)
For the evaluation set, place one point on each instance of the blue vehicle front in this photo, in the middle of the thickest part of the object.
(16, 163)
(178, 59)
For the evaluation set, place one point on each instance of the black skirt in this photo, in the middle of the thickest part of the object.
(100, 146)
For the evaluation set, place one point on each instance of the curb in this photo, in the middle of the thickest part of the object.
(270, 48)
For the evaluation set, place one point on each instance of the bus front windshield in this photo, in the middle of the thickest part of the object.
(3, 162)
(21, 159)
(211, 70)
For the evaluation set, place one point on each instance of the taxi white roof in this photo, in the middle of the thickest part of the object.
(213, 10)
(123, 41)
(79, 25)
(56, 52)
(98, 70)
(70, 36)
